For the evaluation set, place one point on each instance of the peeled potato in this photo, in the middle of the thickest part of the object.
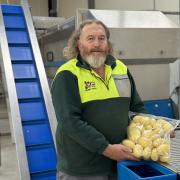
(165, 159)
(146, 133)
(131, 126)
(157, 142)
(146, 121)
(154, 136)
(144, 142)
(134, 134)
(137, 151)
(167, 127)
(148, 127)
(147, 153)
(161, 121)
(128, 143)
(163, 149)
(137, 119)
(158, 131)
(152, 121)
(157, 125)
(154, 155)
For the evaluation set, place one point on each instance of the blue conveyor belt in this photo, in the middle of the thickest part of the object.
(40, 149)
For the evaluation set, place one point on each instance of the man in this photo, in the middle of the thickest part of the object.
(92, 95)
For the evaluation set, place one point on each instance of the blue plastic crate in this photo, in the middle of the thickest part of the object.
(144, 170)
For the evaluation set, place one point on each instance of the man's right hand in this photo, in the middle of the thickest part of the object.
(119, 152)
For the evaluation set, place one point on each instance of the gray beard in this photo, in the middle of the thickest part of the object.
(95, 61)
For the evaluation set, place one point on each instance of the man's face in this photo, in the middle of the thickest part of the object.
(93, 45)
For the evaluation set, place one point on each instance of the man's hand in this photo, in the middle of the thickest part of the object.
(119, 152)
(172, 134)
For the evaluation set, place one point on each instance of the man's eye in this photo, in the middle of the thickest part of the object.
(90, 38)
(102, 38)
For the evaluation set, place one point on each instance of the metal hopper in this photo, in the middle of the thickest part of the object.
(139, 36)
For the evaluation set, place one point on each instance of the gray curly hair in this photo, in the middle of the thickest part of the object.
(71, 51)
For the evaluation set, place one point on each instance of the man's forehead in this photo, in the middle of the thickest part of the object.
(94, 27)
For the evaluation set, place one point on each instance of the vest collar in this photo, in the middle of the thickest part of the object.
(110, 60)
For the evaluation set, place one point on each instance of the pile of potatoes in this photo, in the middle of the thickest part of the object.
(147, 137)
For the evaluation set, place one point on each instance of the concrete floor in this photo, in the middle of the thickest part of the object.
(8, 161)
(9, 167)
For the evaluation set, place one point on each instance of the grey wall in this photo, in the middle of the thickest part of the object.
(67, 8)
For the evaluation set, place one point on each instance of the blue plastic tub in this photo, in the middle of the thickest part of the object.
(144, 170)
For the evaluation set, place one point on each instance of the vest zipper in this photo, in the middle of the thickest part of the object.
(104, 82)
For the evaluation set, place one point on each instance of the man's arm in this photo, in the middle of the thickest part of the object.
(136, 104)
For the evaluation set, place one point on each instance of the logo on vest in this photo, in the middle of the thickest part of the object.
(89, 85)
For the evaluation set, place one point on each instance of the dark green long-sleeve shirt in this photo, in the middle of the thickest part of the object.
(87, 123)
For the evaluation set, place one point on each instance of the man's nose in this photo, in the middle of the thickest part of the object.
(96, 43)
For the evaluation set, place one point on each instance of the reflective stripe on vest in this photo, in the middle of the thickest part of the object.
(123, 85)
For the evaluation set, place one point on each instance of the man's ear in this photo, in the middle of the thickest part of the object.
(78, 43)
